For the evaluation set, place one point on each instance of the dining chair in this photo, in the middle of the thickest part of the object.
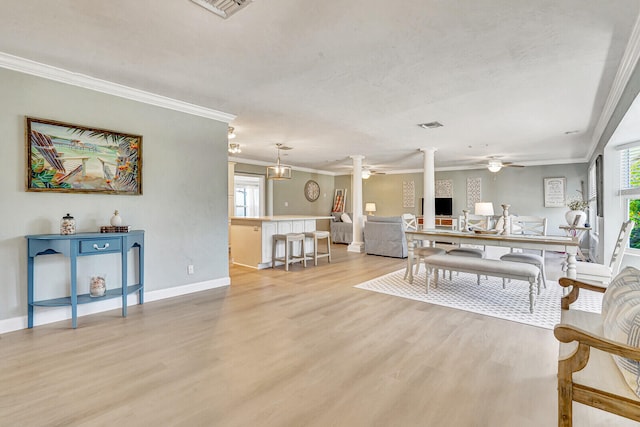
(410, 223)
(471, 222)
(528, 226)
(603, 273)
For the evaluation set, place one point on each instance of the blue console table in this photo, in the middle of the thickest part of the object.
(85, 244)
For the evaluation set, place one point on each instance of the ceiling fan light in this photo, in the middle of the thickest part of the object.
(494, 166)
(231, 133)
(366, 174)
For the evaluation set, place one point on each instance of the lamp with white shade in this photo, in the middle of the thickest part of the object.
(485, 209)
(370, 208)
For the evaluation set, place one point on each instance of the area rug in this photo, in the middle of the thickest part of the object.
(488, 298)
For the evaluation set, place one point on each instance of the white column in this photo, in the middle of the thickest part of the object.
(429, 185)
(357, 245)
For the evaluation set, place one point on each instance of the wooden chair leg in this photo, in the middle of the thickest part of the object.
(287, 245)
(315, 250)
(273, 252)
(304, 255)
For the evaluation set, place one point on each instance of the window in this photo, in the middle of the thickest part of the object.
(630, 187)
(634, 214)
(248, 195)
(592, 198)
(630, 169)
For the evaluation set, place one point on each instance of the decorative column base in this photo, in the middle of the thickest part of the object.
(356, 247)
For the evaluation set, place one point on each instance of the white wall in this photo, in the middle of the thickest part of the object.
(183, 208)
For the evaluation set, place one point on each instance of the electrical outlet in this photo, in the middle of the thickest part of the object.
(190, 269)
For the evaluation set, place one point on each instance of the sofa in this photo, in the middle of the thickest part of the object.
(385, 236)
(341, 232)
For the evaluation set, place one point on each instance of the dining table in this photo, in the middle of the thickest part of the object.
(566, 244)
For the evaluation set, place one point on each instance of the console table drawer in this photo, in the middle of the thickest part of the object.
(95, 246)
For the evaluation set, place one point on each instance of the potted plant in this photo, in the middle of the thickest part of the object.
(576, 210)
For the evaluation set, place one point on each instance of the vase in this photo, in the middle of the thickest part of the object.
(116, 219)
(570, 216)
(98, 286)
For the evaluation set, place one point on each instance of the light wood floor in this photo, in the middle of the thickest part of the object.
(302, 348)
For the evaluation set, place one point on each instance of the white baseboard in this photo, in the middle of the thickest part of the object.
(44, 315)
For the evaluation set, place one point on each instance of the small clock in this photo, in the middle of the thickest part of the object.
(311, 190)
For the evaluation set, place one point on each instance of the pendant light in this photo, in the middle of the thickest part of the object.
(279, 171)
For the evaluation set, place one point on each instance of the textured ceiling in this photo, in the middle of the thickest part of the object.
(334, 78)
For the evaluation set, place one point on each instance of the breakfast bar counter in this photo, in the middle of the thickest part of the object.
(251, 238)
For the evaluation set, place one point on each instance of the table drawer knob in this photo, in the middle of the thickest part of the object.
(98, 248)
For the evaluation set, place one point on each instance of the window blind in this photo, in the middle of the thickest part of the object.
(630, 171)
(593, 189)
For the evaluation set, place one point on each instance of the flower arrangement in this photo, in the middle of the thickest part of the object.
(577, 204)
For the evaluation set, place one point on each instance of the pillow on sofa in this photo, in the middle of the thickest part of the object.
(346, 218)
(621, 287)
(622, 320)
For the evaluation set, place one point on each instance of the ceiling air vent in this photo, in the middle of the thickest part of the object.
(223, 8)
(430, 125)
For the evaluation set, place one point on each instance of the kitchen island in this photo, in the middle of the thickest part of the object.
(251, 238)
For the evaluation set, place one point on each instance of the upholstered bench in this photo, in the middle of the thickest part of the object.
(599, 358)
(486, 267)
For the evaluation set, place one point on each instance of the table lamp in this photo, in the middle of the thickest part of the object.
(485, 209)
(370, 208)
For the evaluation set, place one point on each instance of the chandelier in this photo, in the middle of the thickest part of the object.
(279, 171)
(234, 149)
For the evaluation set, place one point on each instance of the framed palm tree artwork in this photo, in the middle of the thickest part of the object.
(339, 200)
(67, 158)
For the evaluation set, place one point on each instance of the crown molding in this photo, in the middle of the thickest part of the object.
(625, 70)
(536, 163)
(49, 72)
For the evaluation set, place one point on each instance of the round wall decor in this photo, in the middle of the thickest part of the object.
(311, 190)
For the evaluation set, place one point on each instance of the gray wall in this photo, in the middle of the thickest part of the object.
(184, 182)
(288, 195)
(522, 188)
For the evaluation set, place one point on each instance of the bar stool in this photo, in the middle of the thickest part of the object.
(289, 257)
(319, 235)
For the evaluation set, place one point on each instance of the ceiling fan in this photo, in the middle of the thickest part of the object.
(367, 172)
(495, 164)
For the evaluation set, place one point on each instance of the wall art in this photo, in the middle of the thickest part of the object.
(554, 192)
(339, 200)
(408, 194)
(69, 158)
(474, 192)
(444, 188)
